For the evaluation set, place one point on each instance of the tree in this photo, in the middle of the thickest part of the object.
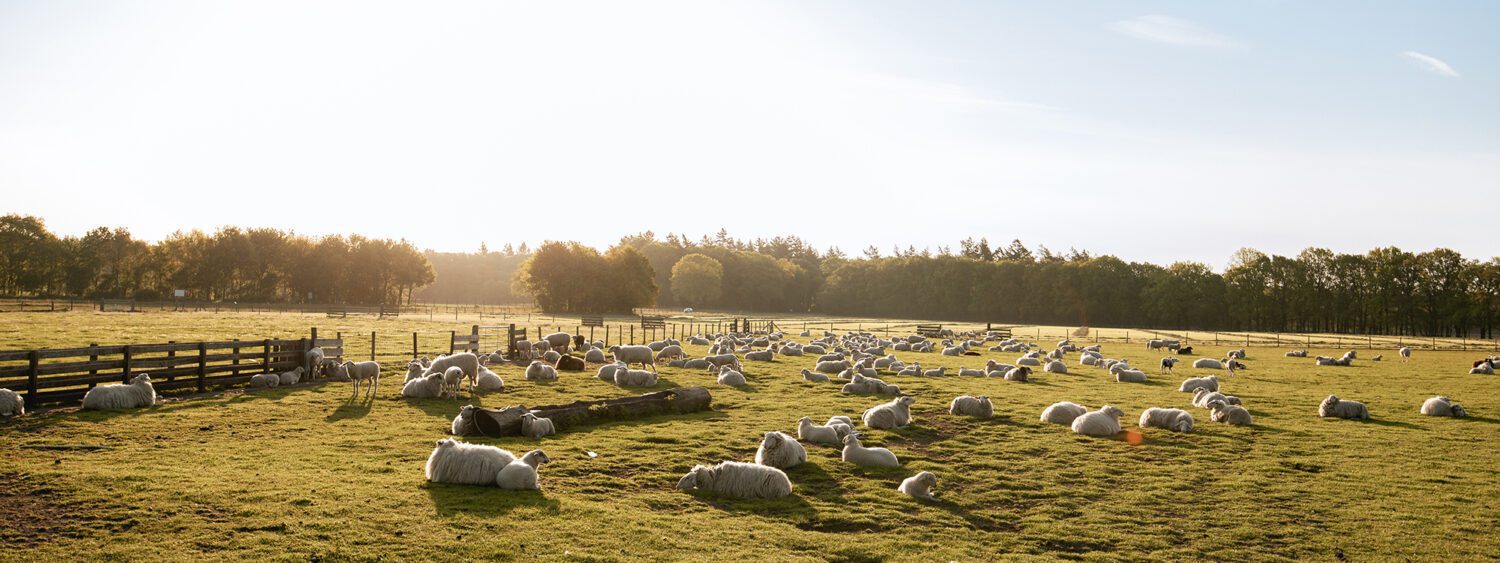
(697, 279)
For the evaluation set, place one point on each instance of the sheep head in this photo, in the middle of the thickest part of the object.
(1112, 411)
(142, 378)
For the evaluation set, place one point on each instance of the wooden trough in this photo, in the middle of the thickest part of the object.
(497, 423)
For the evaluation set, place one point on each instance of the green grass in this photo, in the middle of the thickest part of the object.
(300, 473)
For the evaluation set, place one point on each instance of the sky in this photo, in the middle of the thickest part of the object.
(1156, 131)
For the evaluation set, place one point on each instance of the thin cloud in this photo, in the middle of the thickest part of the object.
(1173, 31)
(1430, 63)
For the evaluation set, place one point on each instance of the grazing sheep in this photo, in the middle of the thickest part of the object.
(136, 394)
(780, 450)
(466, 464)
(728, 376)
(1192, 384)
(1056, 366)
(1018, 373)
(264, 381)
(1176, 420)
(427, 387)
(894, 414)
(1130, 376)
(570, 363)
(11, 403)
(738, 480)
(1208, 363)
(972, 406)
(857, 454)
(453, 378)
(1102, 422)
(540, 371)
(635, 378)
(1443, 406)
(489, 381)
(1063, 413)
(1234, 415)
(919, 485)
(594, 356)
(1335, 407)
(559, 341)
(520, 475)
(826, 434)
(1405, 352)
(814, 377)
(533, 426)
(634, 355)
(607, 371)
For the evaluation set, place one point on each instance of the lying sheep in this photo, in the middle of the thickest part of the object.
(607, 371)
(1130, 376)
(635, 378)
(1028, 361)
(11, 403)
(533, 426)
(972, 406)
(780, 450)
(1192, 384)
(831, 367)
(520, 475)
(826, 434)
(1063, 413)
(489, 381)
(1297, 354)
(1056, 366)
(738, 480)
(466, 464)
(1018, 373)
(912, 370)
(894, 414)
(970, 372)
(1234, 415)
(1202, 397)
(814, 377)
(291, 377)
(594, 356)
(919, 485)
(264, 381)
(761, 356)
(728, 376)
(1102, 422)
(1443, 406)
(1208, 363)
(463, 424)
(1335, 407)
(857, 454)
(1176, 420)
(414, 370)
(136, 394)
(540, 371)
(427, 387)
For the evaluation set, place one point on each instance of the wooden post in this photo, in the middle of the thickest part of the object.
(474, 331)
(606, 335)
(33, 358)
(632, 334)
(236, 361)
(125, 367)
(93, 357)
(265, 360)
(452, 334)
(372, 345)
(414, 344)
(170, 355)
(203, 364)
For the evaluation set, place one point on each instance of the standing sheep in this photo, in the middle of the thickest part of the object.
(11, 403)
(467, 362)
(627, 355)
(453, 379)
(919, 485)
(1176, 420)
(972, 406)
(1443, 406)
(1063, 413)
(520, 475)
(1102, 422)
(894, 414)
(136, 394)
(363, 372)
(559, 341)
(857, 454)
(1335, 407)
(780, 450)
(1405, 352)
(466, 464)
(738, 480)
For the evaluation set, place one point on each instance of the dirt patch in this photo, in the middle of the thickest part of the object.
(32, 512)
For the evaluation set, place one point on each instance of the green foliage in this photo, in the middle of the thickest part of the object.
(697, 280)
(573, 278)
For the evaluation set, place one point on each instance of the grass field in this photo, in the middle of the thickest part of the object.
(300, 473)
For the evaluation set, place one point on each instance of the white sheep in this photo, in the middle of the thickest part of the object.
(453, 378)
(559, 341)
(1176, 420)
(919, 485)
(466, 464)
(1296, 354)
(520, 475)
(426, 387)
(970, 372)
(361, 373)
(533, 426)
(780, 450)
(914, 369)
(935, 372)
(1443, 406)
(1333, 406)
(894, 414)
(972, 406)
(1102, 422)
(415, 370)
(814, 377)
(1056, 366)
(1018, 373)
(315, 359)
(607, 371)
(635, 378)
(1028, 361)
(465, 361)
(11, 403)
(264, 381)
(634, 355)
(594, 356)
(540, 371)
(136, 394)
(728, 376)
(826, 434)
(1193, 384)
(1484, 368)
(1234, 415)
(489, 381)
(1130, 376)
(857, 454)
(1405, 352)
(738, 480)
(1063, 412)
(1208, 363)
(463, 424)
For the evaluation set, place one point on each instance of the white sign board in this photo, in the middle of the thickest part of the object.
(179, 292)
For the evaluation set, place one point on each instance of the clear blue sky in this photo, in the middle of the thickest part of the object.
(1153, 130)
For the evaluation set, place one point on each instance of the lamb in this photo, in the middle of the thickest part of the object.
(1168, 363)
(1192, 384)
(1335, 407)
(427, 387)
(1103, 422)
(780, 450)
(972, 406)
(1056, 366)
(935, 372)
(1202, 397)
(635, 378)
(489, 381)
(857, 454)
(1130, 376)
(826, 434)
(453, 378)
(894, 414)
(738, 480)
(363, 372)
(919, 485)
(264, 381)
(466, 464)
(607, 371)
(520, 475)
(728, 376)
(814, 377)
(11, 403)
(1233, 415)
(138, 393)
(570, 363)
(1208, 363)
(970, 372)
(533, 426)
(1405, 352)
(540, 371)
(634, 355)
(1019, 373)
(1443, 406)
(1063, 413)
(1176, 420)
(465, 361)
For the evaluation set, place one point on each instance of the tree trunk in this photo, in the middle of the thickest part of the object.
(507, 421)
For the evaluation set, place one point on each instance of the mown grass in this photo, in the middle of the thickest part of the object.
(299, 473)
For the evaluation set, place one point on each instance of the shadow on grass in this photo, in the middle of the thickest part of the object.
(452, 500)
(1481, 419)
(812, 481)
(1396, 424)
(349, 410)
(793, 506)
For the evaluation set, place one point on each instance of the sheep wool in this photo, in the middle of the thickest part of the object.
(264, 381)
(728, 376)
(1063, 413)
(292, 377)
(738, 480)
(814, 377)
(1443, 406)
(894, 414)
(1018, 373)
(533, 426)
(1056, 366)
(594, 356)
(11, 403)
(1234, 415)
(1130, 376)
(1333, 406)
(463, 424)
(826, 435)
(1102, 422)
(429, 387)
(607, 371)
(857, 454)
(1193, 384)
(466, 464)
(1176, 420)
(520, 475)
(540, 371)
(635, 378)
(972, 406)
(919, 485)
(778, 449)
(1208, 363)
(489, 381)
(136, 394)
(415, 370)
(627, 355)
(467, 362)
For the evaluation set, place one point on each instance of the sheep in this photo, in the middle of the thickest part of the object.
(1102, 422)
(465, 361)
(1063, 412)
(1018, 373)
(728, 376)
(551, 356)
(1168, 363)
(570, 363)
(780, 450)
(894, 414)
(316, 358)
(533, 426)
(540, 371)
(363, 372)
(336, 372)
(453, 377)
(1405, 352)
(721, 360)
(1443, 406)
(138, 393)
(1236, 354)
(857, 454)
(914, 369)
(594, 356)
(1296, 354)
(825, 434)
(831, 367)
(670, 352)
(463, 424)
(1130, 376)
(559, 341)
(859, 384)
(1234, 415)
(626, 377)
(461, 463)
(264, 381)
(970, 372)
(607, 371)
(11, 403)
(1201, 398)
(489, 381)
(634, 355)
(738, 480)
(1192, 384)
(1185, 350)
(415, 370)
(885, 362)
(972, 406)
(935, 372)
(1335, 407)
(814, 377)
(919, 485)
(1484, 368)
(1056, 366)
(1377, 357)
(1028, 361)
(525, 349)
(428, 387)
(520, 475)
(1208, 363)
(1176, 420)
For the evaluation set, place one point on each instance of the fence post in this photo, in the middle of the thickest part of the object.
(451, 335)
(632, 334)
(414, 344)
(266, 356)
(33, 358)
(93, 357)
(372, 345)
(475, 333)
(203, 364)
(125, 366)
(172, 354)
(236, 361)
